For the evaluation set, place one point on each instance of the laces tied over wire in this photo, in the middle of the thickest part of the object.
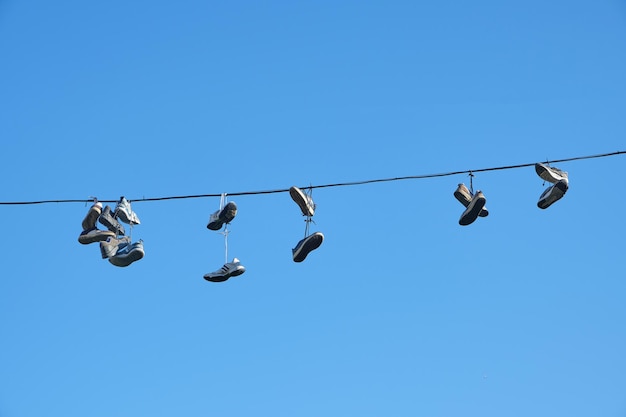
(471, 176)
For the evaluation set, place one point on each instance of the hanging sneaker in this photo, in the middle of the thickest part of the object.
(221, 217)
(473, 208)
(465, 197)
(89, 222)
(230, 269)
(111, 223)
(110, 246)
(124, 212)
(553, 194)
(127, 253)
(550, 174)
(306, 245)
(304, 201)
(94, 235)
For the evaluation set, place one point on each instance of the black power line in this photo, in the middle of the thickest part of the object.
(340, 184)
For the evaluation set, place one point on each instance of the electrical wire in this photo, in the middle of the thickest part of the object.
(340, 184)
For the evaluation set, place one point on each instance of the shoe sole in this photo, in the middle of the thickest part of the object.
(227, 215)
(298, 196)
(133, 255)
(546, 174)
(471, 215)
(312, 244)
(100, 236)
(559, 190)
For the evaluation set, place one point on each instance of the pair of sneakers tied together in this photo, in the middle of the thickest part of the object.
(560, 185)
(474, 204)
(114, 244)
(310, 242)
(218, 219)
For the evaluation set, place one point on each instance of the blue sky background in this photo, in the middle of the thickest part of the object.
(401, 311)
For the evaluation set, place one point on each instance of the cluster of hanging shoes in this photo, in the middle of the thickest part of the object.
(114, 244)
(475, 202)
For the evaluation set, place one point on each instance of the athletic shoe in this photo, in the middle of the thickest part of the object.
(226, 215)
(550, 174)
(230, 269)
(127, 253)
(124, 212)
(110, 246)
(553, 194)
(306, 245)
(465, 197)
(473, 208)
(304, 201)
(89, 222)
(94, 235)
(111, 223)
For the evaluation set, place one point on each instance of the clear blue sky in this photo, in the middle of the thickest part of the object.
(401, 311)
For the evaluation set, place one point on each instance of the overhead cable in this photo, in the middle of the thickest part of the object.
(341, 184)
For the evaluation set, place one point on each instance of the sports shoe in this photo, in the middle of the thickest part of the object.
(230, 269)
(226, 215)
(127, 253)
(110, 246)
(111, 223)
(465, 197)
(94, 235)
(306, 245)
(304, 201)
(550, 174)
(125, 213)
(89, 222)
(552, 194)
(473, 208)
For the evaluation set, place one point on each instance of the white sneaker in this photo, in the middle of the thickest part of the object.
(471, 212)
(553, 194)
(124, 212)
(304, 201)
(550, 174)
(230, 269)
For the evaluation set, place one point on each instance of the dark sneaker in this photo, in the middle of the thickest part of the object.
(465, 197)
(124, 212)
(89, 222)
(230, 269)
(127, 253)
(111, 223)
(223, 216)
(306, 245)
(94, 235)
(110, 246)
(550, 174)
(553, 194)
(473, 208)
(304, 201)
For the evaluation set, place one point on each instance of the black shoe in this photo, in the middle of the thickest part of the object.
(306, 245)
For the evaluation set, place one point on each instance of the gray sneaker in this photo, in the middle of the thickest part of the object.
(304, 201)
(94, 235)
(465, 197)
(110, 246)
(552, 194)
(223, 216)
(127, 254)
(550, 174)
(89, 222)
(125, 213)
(471, 212)
(111, 223)
(306, 245)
